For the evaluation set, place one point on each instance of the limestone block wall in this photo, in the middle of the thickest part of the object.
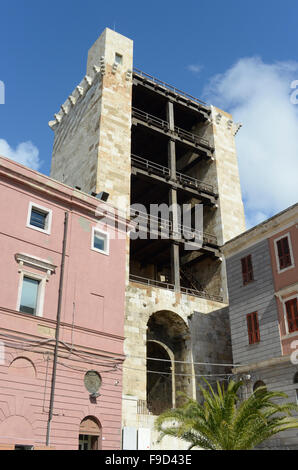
(205, 330)
(141, 303)
(92, 129)
(230, 220)
(75, 150)
(211, 343)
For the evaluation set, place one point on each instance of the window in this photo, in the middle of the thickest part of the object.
(283, 250)
(247, 271)
(100, 241)
(253, 327)
(292, 314)
(258, 384)
(39, 218)
(29, 295)
(118, 59)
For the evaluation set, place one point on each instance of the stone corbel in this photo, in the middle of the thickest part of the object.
(72, 100)
(53, 124)
(128, 75)
(88, 80)
(237, 126)
(96, 69)
(114, 68)
(64, 108)
(218, 118)
(58, 117)
(229, 124)
(80, 90)
(102, 65)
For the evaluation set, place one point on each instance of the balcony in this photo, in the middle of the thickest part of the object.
(165, 285)
(185, 181)
(167, 89)
(165, 228)
(181, 135)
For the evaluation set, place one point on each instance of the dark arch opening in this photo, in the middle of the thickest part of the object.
(159, 379)
(296, 378)
(168, 338)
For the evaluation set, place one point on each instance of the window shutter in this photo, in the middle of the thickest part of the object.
(253, 327)
(292, 315)
(247, 271)
(249, 328)
(244, 270)
(256, 327)
(284, 253)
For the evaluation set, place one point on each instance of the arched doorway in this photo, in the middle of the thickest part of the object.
(168, 340)
(160, 377)
(90, 434)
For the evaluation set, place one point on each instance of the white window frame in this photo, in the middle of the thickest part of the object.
(291, 253)
(294, 296)
(33, 205)
(40, 294)
(96, 230)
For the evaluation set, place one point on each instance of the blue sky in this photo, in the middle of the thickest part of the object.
(238, 55)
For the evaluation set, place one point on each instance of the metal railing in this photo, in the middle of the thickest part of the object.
(168, 286)
(164, 125)
(150, 222)
(150, 166)
(184, 180)
(165, 85)
(151, 282)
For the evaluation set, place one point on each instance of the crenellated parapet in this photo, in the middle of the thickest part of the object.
(79, 91)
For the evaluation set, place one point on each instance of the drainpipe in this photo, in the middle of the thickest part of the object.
(54, 373)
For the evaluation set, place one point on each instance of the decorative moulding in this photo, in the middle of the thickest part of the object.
(28, 260)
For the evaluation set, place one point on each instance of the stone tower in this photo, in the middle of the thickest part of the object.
(143, 141)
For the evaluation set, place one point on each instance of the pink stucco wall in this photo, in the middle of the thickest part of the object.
(285, 283)
(91, 320)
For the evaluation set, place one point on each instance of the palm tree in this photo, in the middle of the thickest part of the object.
(223, 422)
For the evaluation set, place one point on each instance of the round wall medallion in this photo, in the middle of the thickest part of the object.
(92, 381)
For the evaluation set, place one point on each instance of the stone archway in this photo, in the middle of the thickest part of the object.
(160, 377)
(168, 339)
(90, 434)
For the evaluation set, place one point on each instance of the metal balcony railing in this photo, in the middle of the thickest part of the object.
(150, 166)
(151, 222)
(165, 85)
(164, 125)
(166, 285)
(184, 180)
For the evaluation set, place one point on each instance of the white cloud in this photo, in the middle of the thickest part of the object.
(25, 153)
(259, 96)
(195, 68)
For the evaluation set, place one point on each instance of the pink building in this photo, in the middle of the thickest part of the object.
(284, 253)
(70, 399)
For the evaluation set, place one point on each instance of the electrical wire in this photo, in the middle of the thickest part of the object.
(186, 362)
(178, 374)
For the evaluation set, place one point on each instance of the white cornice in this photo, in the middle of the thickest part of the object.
(35, 262)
